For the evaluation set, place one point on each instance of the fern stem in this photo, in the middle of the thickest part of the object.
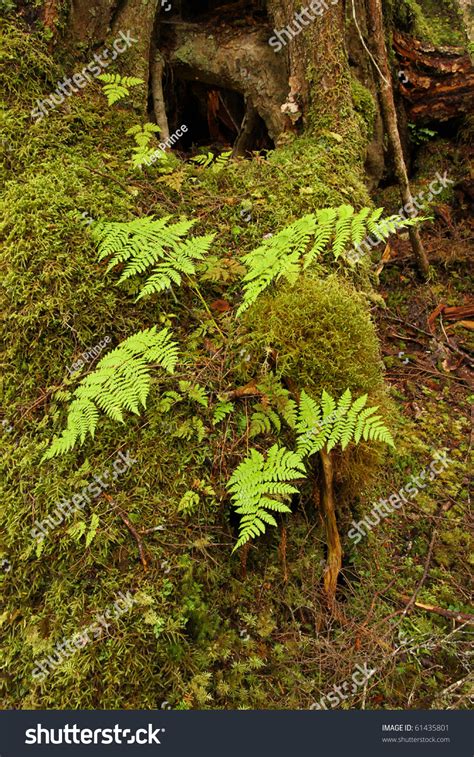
(334, 560)
(195, 288)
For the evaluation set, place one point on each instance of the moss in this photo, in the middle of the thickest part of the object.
(365, 105)
(327, 341)
(438, 22)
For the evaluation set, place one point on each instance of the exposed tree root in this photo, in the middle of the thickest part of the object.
(334, 558)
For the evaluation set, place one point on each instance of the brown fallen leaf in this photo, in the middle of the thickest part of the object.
(220, 306)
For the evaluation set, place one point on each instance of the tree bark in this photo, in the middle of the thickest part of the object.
(236, 59)
(318, 65)
(391, 125)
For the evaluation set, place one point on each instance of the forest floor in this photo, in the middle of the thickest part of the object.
(203, 634)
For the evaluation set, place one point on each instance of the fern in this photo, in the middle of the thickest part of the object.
(286, 254)
(260, 485)
(142, 136)
(279, 398)
(203, 160)
(277, 257)
(149, 243)
(194, 392)
(120, 382)
(216, 163)
(343, 229)
(189, 428)
(263, 419)
(188, 502)
(221, 161)
(117, 87)
(330, 423)
(221, 410)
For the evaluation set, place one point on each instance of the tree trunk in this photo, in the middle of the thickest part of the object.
(391, 125)
(318, 63)
(334, 558)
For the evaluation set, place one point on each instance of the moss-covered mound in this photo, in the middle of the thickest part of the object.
(321, 334)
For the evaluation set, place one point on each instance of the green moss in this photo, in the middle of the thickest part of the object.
(185, 641)
(438, 22)
(365, 105)
(324, 341)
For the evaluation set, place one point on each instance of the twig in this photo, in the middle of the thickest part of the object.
(132, 530)
(460, 617)
(107, 176)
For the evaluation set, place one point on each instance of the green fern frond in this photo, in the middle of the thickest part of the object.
(151, 243)
(121, 381)
(310, 429)
(117, 87)
(343, 229)
(194, 392)
(331, 423)
(279, 398)
(325, 219)
(221, 161)
(256, 478)
(203, 160)
(263, 419)
(188, 502)
(189, 428)
(373, 220)
(359, 226)
(277, 257)
(221, 410)
(286, 254)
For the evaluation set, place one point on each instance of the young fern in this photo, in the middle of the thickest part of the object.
(120, 382)
(149, 243)
(142, 136)
(216, 163)
(277, 257)
(286, 254)
(319, 427)
(260, 485)
(117, 87)
(328, 423)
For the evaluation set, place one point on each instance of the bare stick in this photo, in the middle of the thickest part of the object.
(391, 125)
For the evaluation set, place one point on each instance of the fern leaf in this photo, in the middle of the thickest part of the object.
(256, 477)
(120, 382)
(324, 229)
(194, 392)
(221, 410)
(278, 257)
(147, 242)
(117, 87)
(332, 423)
(342, 232)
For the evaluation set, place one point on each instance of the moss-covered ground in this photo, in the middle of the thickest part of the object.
(204, 632)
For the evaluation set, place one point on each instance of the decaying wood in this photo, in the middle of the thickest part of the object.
(436, 83)
(159, 107)
(459, 313)
(237, 59)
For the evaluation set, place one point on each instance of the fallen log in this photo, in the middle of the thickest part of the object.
(437, 84)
